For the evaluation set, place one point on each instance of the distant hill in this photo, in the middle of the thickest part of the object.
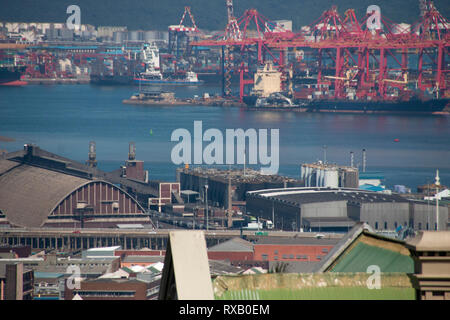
(208, 14)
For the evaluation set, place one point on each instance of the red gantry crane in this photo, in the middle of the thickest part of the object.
(372, 58)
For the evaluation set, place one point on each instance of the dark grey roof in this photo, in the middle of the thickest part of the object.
(298, 196)
(217, 267)
(297, 241)
(233, 245)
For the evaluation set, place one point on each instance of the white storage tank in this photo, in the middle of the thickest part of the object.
(331, 178)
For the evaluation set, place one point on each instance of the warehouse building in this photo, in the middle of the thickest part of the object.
(338, 209)
(226, 188)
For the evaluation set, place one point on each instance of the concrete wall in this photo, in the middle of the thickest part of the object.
(324, 209)
(424, 216)
(378, 213)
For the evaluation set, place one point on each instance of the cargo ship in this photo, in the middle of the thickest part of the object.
(11, 76)
(413, 105)
(266, 95)
(112, 71)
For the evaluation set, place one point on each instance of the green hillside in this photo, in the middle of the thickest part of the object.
(209, 14)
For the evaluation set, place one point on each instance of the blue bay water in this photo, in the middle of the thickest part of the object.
(64, 118)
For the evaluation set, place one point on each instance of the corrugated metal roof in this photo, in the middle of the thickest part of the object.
(299, 196)
(339, 248)
(28, 194)
(362, 255)
(361, 248)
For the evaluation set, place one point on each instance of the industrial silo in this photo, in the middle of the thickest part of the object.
(133, 35)
(331, 178)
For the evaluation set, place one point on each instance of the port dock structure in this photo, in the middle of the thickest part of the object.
(350, 55)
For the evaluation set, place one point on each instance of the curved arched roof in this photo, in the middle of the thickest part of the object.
(28, 193)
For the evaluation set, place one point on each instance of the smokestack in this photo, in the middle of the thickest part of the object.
(351, 159)
(132, 151)
(364, 160)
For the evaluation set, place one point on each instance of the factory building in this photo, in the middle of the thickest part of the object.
(338, 209)
(228, 187)
(329, 175)
(40, 189)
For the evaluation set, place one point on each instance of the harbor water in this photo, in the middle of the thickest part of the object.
(64, 118)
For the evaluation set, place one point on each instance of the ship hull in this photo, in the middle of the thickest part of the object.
(10, 76)
(111, 80)
(355, 106)
(410, 106)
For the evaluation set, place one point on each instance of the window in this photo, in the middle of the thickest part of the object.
(325, 250)
(265, 256)
(275, 252)
(385, 225)
(376, 225)
(275, 258)
(395, 224)
(285, 256)
(420, 226)
(291, 256)
(299, 256)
